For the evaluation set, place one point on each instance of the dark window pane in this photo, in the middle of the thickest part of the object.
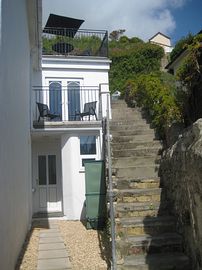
(52, 169)
(42, 170)
(86, 159)
(87, 145)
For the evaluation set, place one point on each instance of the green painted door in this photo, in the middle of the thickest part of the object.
(95, 194)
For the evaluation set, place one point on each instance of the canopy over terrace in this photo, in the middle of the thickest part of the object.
(62, 23)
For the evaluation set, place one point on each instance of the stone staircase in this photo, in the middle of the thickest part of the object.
(146, 237)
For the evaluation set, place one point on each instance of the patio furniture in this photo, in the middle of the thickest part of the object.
(45, 112)
(89, 109)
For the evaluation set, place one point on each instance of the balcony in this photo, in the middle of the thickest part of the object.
(74, 42)
(57, 106)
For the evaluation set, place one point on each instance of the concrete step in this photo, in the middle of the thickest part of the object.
(140, 209)
(133, 132)
(133, 138)
(162, 243)
(139, 151)
(128, 125)
(137, 226)
(124, 111)
(146, 183)
(138, 195)
(140, 171)
(134, 161)
(127, 115)
(167, 261)
(135, 145)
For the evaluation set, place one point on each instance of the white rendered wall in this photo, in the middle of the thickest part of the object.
(15, 145)
(92, 71)
(73, 175)
(88, 71)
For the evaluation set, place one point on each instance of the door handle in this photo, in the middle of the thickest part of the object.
(37, 181)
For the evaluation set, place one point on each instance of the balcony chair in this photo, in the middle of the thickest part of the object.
(45, 112)
(89, 109)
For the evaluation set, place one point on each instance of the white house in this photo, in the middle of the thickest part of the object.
(20, 24)
(163, 41)
(41, 158)
(74, 77)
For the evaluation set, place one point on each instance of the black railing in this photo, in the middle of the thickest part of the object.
(72, 103)
(63, 41)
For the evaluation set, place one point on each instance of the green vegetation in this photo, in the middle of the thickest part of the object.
(80, 44)
(189, 75)
(180, 45)
(155, 92)
(135, 72)
(131, 56)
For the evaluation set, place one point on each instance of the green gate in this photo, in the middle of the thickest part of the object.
(95, 194)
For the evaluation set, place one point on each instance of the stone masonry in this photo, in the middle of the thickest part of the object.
(181, 173)
(146, 237)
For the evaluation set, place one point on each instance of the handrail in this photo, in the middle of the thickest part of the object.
(110, 191)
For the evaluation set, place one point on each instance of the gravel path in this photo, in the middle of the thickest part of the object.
(29, 254)
(87, 249)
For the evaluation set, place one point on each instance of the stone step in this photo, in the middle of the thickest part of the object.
(139, 151)
(167, 261)
(133, 132)
(134, 138)
(126, 110)
(127, 116)
(126, 227)
(134, 161)
(162, 243)
(118, 104)
(128, 124)
(140, 171)
(147, 183)
(138, 195)
(140, 209)
(135, 145)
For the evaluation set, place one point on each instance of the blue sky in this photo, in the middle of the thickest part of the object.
(141, 18)
(188, 19)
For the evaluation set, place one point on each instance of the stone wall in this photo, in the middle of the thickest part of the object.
(181, 175)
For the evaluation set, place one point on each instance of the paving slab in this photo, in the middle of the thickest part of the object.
(44, 240)
(54, 264)
(49, 234)
(49, 231)
(51, 254)
(51, 246)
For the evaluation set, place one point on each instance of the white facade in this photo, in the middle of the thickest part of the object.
(163, 41)
(18, 40)
(63, 138)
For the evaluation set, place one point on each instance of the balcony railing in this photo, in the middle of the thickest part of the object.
(63, 41)
(61, 104)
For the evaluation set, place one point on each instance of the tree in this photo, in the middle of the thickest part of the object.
(180, 45)
(116, 34)
(130, 59)
(189, 75)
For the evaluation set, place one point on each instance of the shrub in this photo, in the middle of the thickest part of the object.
(153, 93)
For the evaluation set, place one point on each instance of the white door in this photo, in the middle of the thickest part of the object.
(47, 184)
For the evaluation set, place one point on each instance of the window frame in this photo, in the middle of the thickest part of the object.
(89, 156)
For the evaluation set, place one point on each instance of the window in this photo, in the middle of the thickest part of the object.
(88, 150)
(87, 145)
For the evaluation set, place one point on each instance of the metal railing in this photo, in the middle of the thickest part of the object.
(65, 102)
(110, 186)
(64, 41)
